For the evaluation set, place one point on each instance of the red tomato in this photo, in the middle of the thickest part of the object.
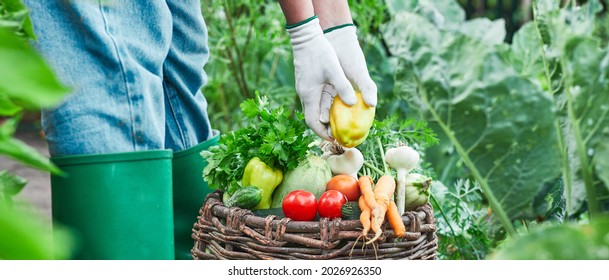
(330, 204)
(346, 185)
(300, 205)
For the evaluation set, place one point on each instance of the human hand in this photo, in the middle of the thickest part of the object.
(315, 66)
(351, 58)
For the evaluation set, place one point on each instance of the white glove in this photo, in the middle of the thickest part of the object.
(315, 65)
(345, 44)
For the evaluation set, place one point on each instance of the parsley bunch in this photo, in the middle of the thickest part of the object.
(272, 134)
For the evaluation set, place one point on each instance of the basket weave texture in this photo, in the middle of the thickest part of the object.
(234, 233)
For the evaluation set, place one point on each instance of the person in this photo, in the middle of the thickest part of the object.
(326, 52)
(129, 136)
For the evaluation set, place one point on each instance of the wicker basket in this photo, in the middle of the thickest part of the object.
(234, 233)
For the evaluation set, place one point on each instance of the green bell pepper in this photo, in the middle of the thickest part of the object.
(258, 174)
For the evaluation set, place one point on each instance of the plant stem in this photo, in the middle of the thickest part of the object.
(566, 166)
(435, 201)
(232, 65)
(273, 67)
(240, 73)
(593, 205)
(486, 190)
(378, 141)
(225, 109)
(374, 168)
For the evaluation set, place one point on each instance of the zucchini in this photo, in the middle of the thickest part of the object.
(246, 198)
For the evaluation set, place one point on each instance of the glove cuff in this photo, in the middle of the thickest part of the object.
(290, 26)
(342, 34)
(305, 31)
(338, 27)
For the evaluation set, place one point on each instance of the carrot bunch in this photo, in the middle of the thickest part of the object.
(377, 204)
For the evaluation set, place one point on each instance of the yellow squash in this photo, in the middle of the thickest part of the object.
(350, 125)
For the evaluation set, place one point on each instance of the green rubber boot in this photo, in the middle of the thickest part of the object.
(189, 192)
(118, 205)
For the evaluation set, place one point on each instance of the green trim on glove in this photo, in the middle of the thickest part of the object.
(300, 23)
(338, 27)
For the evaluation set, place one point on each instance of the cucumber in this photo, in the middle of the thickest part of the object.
(350, 211)
(246, 198)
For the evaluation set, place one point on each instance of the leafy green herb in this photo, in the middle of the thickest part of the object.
(272, 134)
(392, 131)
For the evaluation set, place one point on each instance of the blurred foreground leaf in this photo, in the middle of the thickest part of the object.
(560, 242)
(25, 78)
(26, 237)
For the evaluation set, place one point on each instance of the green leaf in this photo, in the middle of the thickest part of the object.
(25, 236)
(397, 6)
(588, 67)
(8, 128)
(575, 64)
(11, 184)
(443, 13)
(485, 30)
(15, 15)
(24, 76)
(559, 27)
(546, 6)
(592, 7)
(461, 217)
(7, 107)
(602, 163)
(586, 91)
(525, 54)
(560, 242)
(249, 108)
(20, 151)
(16, 149)
(499, 122)
(550, 203)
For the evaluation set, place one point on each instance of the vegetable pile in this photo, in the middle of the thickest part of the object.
(275, 162)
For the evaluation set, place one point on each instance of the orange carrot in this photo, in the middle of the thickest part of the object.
(365, 186)
(395, 220)
(364, 217)
(383, 191)
(376, 228)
